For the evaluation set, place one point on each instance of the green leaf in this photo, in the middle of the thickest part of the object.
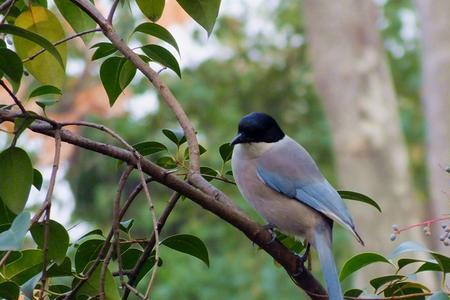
(63, 269)
(157, 31)
(208, 171)
(439, 296)
(16, 178)
(92, 232)
(188, 244)
(11, 66)
(353, 293)
(12, 239)
(225, 151)
(59, 289)
(147, 148)
(359, 197)
(152, 9)
(407, 261)
(9, 290)
(37, 179)
(380, 281)
(43, 103)
(92, 285)
(429, 266)
(58, 239)
(87, 252)
(163, 57)
(131, 256)
(45, 90)
(24, 268)
(36, 38)
(116, 73)
(200, 148)
(44, 67)
(176, 136)
(359, 261)
(77, 18)
(20, 124)
(103, 49)
(126, 225)
(204, 12)
(2, 43)
(405, 288)
(443, 261)
(6, 216)
(166, 162)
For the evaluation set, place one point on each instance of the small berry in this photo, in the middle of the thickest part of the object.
(393, 237)
(395, 227)
(446, 243)
(442, 237)
(444, 226)
(447, 229)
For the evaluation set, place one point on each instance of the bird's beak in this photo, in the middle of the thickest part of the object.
(239, 138)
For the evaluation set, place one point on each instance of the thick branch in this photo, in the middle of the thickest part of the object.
(228, 213)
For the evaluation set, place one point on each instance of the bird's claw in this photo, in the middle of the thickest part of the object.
(301, 259)
(270, 227)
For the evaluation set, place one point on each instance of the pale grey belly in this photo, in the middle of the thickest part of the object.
(288, 215)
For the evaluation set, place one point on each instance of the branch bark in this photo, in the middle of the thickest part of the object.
(229, 213)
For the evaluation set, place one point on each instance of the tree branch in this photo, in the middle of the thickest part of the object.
(194, 153)
(151, 243)
(229, 213)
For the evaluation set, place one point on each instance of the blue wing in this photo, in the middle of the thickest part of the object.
(290, 170)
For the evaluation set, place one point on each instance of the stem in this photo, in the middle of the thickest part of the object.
(60, 42)
(112, 11)
(427, 222)
(48, 205)
(151, 243)
(13, 96)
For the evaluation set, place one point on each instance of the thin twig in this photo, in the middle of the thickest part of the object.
(112, 11)
(5, 5)
(9, 5)
(155, 226)
(135, 291)
(60, 42)
(115, 230)
(102, 128)
(13, 96)
(151, 242)
(48, 205)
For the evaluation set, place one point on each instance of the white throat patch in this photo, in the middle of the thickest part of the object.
(257, 149)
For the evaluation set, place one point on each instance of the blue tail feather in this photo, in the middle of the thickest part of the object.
(323, 245)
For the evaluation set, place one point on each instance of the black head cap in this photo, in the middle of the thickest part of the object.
(258, 127)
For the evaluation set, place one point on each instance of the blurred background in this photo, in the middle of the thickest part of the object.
(363, 85)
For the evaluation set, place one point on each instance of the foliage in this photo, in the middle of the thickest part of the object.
(53, 264)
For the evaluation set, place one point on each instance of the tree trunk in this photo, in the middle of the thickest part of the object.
(435, 26)
(354, 84)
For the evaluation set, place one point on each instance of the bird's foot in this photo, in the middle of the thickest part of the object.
(270, 227)
(301, 259)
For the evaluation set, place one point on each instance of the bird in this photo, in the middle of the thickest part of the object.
(283, 183)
